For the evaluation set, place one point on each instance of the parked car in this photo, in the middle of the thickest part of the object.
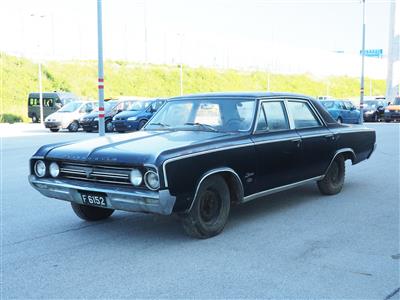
(343, 111)
(52, 101)
(137, 115)
(374, 110)
(90, 122)
(392, 111)
(68, 116)
(200, 154)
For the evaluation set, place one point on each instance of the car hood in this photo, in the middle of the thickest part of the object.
(393, 107)
(138, 148)
(60, 116)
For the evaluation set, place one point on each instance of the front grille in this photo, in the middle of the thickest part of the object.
(96, 173)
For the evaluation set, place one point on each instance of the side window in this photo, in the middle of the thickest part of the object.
(303, 117)
(275, 116)
(49, 102)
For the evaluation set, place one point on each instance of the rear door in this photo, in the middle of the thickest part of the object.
(317, 141)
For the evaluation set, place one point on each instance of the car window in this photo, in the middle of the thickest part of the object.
(303, 116)
(208, 113)
(272, 117)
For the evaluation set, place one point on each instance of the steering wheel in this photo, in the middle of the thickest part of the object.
(234, 123)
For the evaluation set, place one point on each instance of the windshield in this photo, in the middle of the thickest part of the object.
(207, 114)
(328, 104)
(371, 104)
(107, 106)
(70, 107)
(138, 105)
(396, 101)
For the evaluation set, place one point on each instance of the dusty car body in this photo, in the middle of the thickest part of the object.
(200, 154)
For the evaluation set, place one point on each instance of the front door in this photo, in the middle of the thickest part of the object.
(277, 147)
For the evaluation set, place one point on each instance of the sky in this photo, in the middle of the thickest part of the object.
(206, 32)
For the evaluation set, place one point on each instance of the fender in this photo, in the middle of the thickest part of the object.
(216, 171)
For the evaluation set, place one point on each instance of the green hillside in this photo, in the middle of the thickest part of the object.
(18, 77)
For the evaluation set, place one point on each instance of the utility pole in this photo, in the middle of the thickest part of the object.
(100, 68)
(393, 57)
(362, 66)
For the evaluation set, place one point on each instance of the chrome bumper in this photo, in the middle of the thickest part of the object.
(120, 198)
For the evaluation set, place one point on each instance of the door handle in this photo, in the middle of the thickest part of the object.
(330, 136)
(297, 142)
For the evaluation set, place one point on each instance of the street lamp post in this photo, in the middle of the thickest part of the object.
(362, 66)
(100, 68)
(40, 76)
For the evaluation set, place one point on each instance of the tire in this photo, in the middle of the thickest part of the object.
(73, 127)
(210, 210)
(333, 181)
(388, 120)
(376, 119)
(91, 213)
(35, 119)
(109, 127)
(54, 129)
(339, 120)
(121, 131)
(88, 130)
(141, 124)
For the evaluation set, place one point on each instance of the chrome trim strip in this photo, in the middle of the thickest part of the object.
(280, 189)
(215, 171)
(277, 140)
(167, 161)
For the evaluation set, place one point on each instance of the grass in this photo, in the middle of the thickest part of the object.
(19, 76)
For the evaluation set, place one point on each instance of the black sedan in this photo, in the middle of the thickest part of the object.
(90, 122)
(200, 154)
(374, 110)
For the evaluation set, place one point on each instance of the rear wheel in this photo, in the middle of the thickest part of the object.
(91, 213)
(333, 181)
(54, 129)
(73, 127)
(210, 210)
(121, 131)
(35, 119)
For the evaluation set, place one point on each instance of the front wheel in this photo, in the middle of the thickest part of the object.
(141, 124)
(210, 210)
(73, 127)
(333, 181)
(91, 213)
(109, 126)
(339, 120)
(54, 129)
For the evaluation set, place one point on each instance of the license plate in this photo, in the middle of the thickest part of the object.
(94, 199)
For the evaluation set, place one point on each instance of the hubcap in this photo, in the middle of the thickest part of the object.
(210, 206)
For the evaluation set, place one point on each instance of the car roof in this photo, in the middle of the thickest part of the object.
(240, 95)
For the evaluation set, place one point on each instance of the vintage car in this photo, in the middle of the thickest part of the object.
(200, 154)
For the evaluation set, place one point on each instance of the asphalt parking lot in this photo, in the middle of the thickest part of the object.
(294, 244)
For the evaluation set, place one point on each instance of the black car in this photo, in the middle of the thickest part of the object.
(200, 154)
(137, 115)
(374, 110)
(90, 122)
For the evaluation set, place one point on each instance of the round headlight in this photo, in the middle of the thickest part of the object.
(54, 169)
(151, 180)
(40, 168)
(136, 177)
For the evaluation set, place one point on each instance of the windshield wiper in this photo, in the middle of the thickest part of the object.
(159, 124)
(206, 126)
